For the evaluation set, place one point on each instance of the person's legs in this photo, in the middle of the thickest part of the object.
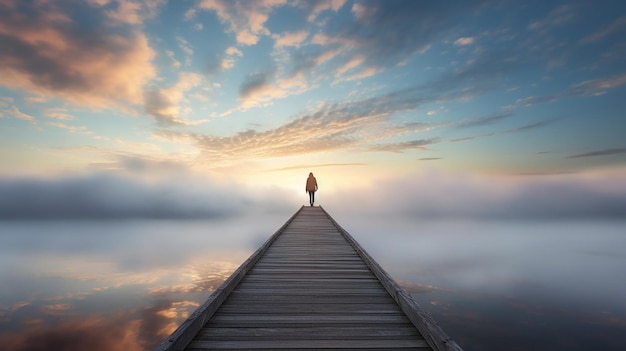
(311, 197)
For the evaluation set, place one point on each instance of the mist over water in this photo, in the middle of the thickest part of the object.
(491, 285)
(511, 285)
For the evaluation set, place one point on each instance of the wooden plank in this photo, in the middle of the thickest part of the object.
(306, 344)
(304, 308)
(310, 333)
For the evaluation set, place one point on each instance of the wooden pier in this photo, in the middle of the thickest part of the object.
(310, 286)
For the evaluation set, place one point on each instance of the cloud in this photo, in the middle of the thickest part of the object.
(59, 113)
(604, 152)
(70, 128)
(262, 88)
(389, 45)
(94, 333)
(557, 17)
(290, 39)
(224, 62)
(244, 18)
(102, 196)
(438, 194)
(617, 26)
(462, 139)
(158, 322)
(132, 330)
(256, 84)
(316, 7)
(352, 124)
(464, 41)
(21, 115)
(592, 87)
(129, 11)
(429, 194)
(165, 104)
(481, 121)
(46, 50)
(531, 126)
(405, 145)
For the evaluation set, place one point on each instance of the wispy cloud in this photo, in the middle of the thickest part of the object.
(244, 18)
(70, 128)
(604, 152)
(21, 115)
(559, 16)
(619, 25)
(592, 87)
(531, 126)
(290, 39)
(481, 121)
(429, 158)
(263, 87)
(59, 113)
(316, 7)
(351, 51)
(464, 41)
(351, 124)
(402, 146)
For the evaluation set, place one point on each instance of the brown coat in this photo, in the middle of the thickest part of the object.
(311, 183)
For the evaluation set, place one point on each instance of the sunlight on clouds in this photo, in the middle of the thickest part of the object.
(71, 129)
(21, 115)
(290, 39)
(351, 64)
(59, 113)
(263, 88)
(165, 104)
(464, 41)
(175, 63)
(229, 61)
(246, 21)
(97, 333)
(321, 6)
(110, 68)
(362, 12)
(364, 73)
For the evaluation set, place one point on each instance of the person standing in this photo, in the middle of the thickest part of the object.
(311, 188)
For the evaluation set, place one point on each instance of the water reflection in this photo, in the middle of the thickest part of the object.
(112, 285)
(491, 285)
(511, 285)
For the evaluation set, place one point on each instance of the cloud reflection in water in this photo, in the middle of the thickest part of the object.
(121, 285)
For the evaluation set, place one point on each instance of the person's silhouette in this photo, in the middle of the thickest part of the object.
(311, 188)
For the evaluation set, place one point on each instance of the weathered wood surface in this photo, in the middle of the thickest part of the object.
(310, 286)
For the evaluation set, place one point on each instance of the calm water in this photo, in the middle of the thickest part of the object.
(125, 285)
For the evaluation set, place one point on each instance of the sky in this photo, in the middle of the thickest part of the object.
(156, 108)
